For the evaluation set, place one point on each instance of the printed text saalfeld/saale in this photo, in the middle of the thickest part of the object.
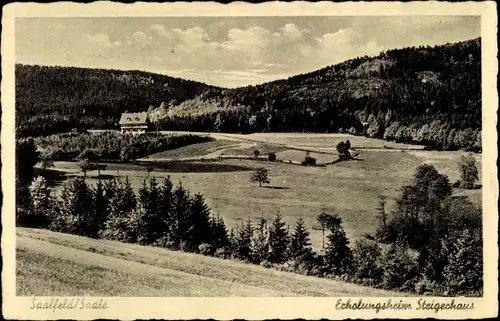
(68, 304)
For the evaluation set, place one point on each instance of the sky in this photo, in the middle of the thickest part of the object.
(227, 51)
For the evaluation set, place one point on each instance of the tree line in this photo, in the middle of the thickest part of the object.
(110, 145)
(433, 241)
(168, 216)
(425, 95)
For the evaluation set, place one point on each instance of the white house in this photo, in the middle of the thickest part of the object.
(134, 123)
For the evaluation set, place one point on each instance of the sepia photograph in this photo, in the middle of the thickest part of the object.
(262, 155)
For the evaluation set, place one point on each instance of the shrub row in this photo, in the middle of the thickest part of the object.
(112, 145)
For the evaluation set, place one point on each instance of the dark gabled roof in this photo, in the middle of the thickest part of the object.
(134, 118)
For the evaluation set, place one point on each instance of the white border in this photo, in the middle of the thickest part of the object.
(250, 308)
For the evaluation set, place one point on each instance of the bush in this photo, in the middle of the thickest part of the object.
(256, 153)
(121, 228)
(266, 264)
(425, 286)
(222, 253)
(43, 207)
(309, 161)
(206, 249)
(271, 157)
(464, 272)
(366, 259)
(400, 270)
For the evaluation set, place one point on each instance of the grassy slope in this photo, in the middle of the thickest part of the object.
(191, 150)
(50, 263)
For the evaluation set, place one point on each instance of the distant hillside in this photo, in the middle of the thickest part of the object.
(425, 95)
(55, 99)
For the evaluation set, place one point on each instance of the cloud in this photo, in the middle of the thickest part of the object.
(139, 38)
(292, 31)
(251, 54)
(229, 51)
(101, 40)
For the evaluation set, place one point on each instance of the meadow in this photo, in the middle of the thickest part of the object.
(109, 268)
(349, 188)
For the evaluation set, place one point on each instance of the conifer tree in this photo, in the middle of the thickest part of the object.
(260, 242)
(278, 240)
(243, 240)
(338, 255)
(220, 238)
(100, 204)
(300, 244)
(165, 208)
(199, 220)
(151, 225)
(180, 225)
(233, 241)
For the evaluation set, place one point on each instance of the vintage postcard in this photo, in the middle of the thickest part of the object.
(249, 161)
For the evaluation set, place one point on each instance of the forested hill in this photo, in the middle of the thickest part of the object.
(429, 95)
(56, 99)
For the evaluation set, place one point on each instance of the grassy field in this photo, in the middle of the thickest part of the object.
(55, 264)
(347, 188)
(192, 150)
(308, 140)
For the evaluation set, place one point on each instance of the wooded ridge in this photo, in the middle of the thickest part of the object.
(424, 95)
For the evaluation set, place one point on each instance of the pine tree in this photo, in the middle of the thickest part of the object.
(338, 255)
(233, 242)
(100, 205)
(220, 238)
(151, 226)
(43, 208)
(260, 242)
(300, 244)
(278, 240)
(180, 225)
(243, 240)
(199, 217)
(165, 208)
